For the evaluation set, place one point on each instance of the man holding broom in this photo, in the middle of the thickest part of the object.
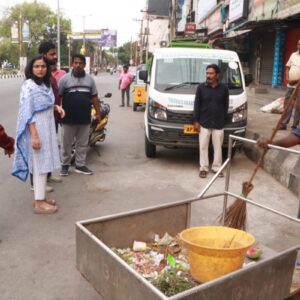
(291, 140)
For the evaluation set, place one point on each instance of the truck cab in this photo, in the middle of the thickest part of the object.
(172, 82)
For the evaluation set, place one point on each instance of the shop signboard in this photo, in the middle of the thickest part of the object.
(190, 28)
(238, 9)
(204, 7)
(273, 9)
(214, 22)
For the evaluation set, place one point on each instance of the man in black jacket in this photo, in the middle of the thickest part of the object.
(210, 111)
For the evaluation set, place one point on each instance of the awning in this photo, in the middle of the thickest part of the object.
(236, 33)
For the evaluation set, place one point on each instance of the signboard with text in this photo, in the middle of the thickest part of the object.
(190, 28)
(238, 9)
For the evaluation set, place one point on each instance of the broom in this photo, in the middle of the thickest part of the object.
(236, 213)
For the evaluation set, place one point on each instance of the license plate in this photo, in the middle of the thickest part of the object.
(189, 129)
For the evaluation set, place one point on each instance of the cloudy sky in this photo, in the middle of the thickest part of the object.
(112, 14)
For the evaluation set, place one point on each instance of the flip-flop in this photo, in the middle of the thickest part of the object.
(45, 209)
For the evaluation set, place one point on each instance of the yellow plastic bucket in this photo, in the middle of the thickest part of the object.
(214, 251)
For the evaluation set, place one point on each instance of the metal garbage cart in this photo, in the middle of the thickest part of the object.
(269, 278)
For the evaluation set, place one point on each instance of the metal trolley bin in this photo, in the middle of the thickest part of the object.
(269, 278)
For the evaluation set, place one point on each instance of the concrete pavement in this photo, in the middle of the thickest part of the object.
(283, 166)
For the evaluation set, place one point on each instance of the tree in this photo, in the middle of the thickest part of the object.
(42, 26)
(124, 53)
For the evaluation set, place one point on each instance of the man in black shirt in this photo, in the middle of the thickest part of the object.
(210, 111)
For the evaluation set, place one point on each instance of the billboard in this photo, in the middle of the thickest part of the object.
(14, 32)
(26, 32)
(158, 7)
(108, 38)
(103, 37)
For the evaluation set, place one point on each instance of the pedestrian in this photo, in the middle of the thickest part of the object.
(48, 50)
(125, 81)
(291, 140)
(36, 143)
(6, 142)
(210, 112)
(292, 77)
(78, 91)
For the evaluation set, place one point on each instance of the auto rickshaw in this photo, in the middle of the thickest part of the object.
(139, 92)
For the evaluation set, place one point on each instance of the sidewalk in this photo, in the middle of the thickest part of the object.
(281, 165)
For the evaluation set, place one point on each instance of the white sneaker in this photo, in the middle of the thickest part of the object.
(49, 189)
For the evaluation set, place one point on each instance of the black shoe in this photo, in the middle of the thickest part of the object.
(64, 170)
(83, 170)
(282, 127)
(122, 105)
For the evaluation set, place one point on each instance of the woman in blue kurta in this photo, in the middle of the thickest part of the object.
(36, 143)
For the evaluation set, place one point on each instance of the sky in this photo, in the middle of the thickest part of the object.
(99, 14)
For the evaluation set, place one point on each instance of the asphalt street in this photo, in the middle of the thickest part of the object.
(37, 252)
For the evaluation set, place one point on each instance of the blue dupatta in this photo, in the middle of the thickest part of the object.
(33, 98)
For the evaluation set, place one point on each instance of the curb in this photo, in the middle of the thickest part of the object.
(283, 166)
(11, 76)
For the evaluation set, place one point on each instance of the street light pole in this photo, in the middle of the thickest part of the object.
(58, 35)
(83, 24)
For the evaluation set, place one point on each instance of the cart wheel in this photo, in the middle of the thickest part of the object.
(150, 149)
(134, 106)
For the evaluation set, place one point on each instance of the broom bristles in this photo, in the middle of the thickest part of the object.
(236, 213)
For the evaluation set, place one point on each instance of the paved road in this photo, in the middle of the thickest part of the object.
(37, 253)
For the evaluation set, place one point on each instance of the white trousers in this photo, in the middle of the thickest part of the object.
(217, 141)
(39, 181)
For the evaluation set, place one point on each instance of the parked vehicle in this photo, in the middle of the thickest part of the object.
(173, 79)
(139, 89)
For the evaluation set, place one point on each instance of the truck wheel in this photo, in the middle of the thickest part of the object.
(150, 149)
(134, 106)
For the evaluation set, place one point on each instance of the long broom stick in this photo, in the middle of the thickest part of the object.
(236, 213)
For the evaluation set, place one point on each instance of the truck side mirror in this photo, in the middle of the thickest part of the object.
(248, 79)
(143, 75)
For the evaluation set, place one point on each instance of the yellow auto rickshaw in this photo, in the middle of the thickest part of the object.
(139, 92)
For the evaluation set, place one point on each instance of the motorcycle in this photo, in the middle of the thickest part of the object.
(97, 131)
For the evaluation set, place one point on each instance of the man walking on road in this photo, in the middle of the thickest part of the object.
(6, 142)
(210, 111)
(292, 76)
(291, 140)
(124, 85)
(78, 91)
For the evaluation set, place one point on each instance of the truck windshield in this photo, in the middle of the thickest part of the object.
(182, 75)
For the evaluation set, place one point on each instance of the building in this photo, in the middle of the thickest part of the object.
(263, 32)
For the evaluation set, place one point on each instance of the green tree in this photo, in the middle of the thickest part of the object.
(42, 26)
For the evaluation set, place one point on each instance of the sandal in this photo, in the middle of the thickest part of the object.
(49, 201)
(202, 174)
(221, 175)
(45, 208)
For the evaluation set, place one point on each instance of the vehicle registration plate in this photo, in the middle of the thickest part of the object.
(189, 129)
